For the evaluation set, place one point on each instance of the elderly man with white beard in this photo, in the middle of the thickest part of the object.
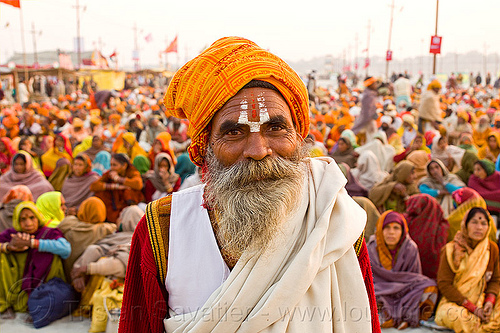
(271, 242)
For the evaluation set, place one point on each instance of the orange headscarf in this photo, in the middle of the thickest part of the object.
(164, 138)
(92, 210)
(382, 249)
(203, 85)
(21, 192)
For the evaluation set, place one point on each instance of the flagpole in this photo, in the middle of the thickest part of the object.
(24, 46)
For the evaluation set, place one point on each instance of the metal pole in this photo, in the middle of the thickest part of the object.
(33, 31)
(78, 40)
(136, 47)
(368, 46)
(24, 47)
(435, 34)
(389, 46)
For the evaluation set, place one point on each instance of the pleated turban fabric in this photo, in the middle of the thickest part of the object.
(203, 85)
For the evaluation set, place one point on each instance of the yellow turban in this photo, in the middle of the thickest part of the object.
(203, 85)
(434, 84)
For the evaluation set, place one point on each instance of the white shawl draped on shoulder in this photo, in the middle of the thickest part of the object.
(308, 280)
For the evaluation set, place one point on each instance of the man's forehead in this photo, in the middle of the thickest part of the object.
(255, 102)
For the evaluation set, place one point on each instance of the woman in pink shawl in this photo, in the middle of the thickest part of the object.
(22, 172)
(486, 181)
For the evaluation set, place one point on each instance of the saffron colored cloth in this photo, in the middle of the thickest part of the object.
(203, 85)
(31, 177)
(164, 138)
(398, 279)
(489, 189)
(116, 200)
(49, 204)
(428, 228)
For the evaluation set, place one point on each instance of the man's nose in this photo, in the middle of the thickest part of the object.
(257, 147)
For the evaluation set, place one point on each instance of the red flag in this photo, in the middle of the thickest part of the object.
(149, 38)
(14, 3)
(172, 47)
(113, 56)
(367, 63)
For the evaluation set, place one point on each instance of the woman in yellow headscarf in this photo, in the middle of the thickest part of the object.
(469, 278)
(30, 254)
(131, 147)
(491, 149)
(52, 205)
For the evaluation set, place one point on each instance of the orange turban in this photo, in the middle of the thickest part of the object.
(435, 84)
(120, 108)
(10, 121)
(203, 85)
(115, 116)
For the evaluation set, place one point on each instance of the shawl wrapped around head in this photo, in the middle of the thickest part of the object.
(20, 192)
(154, 175)
(466, 198)
(368, 170)
(489, 189)
(462, 243)
(32, 178)
(203, 85)
(444, 155)
(92, 210)
(467, 164)
(50, 158)
(102, 162)
(382, 193)
(49, 204)
(37, 263)
(77, 188)
(164, 138)
(419, 158)
(428, 228)
(398, 281)
(447, 177)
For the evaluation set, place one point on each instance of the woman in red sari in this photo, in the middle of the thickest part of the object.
(428, 228)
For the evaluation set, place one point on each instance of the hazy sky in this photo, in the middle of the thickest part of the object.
(293, 30)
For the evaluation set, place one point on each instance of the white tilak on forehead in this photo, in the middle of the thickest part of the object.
(263, 115)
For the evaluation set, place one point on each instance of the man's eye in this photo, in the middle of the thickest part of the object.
(276, 127)
(233, 132)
